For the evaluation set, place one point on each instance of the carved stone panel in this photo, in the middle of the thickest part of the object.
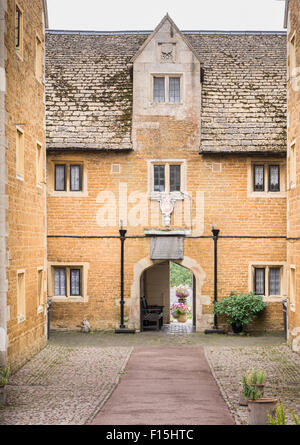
(167, 248)
(167, 52)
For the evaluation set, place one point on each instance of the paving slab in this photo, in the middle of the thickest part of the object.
(166, 386)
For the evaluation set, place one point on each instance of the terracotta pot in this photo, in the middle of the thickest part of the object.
(258, 411)
(2, 395)
(182, 318)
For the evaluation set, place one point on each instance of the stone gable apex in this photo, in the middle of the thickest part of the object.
(159, 26)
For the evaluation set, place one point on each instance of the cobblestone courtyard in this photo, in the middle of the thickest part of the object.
(70, 380)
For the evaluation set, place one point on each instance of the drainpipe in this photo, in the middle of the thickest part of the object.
(122, 328)
(3, 196)
(215, 330)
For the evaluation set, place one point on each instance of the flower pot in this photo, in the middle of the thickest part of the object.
(182, 318)
(182, 300)
(259, 409)
(237, 328)
(243, 400)
(2, 395)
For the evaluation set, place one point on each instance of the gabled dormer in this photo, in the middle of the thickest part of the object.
(166, 85)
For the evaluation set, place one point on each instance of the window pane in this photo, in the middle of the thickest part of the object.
(274, 281)
(59, 281)
(75, 177)
(259, 281)
(174, 178)
(60, 177)
(174, 89)
(159, 89)
(18, 26)
(259, 178)
(75, 281)
(274, 180)
(159, 178)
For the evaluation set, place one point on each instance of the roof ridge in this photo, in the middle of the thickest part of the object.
(143, 32)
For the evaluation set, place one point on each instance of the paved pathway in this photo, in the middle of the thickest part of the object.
(166, 386)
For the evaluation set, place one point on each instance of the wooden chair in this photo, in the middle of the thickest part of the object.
(151, 316)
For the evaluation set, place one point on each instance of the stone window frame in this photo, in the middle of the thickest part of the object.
(166, 75)
(292, 56)
(267, 265)
(266, 163)
(40, 292)
(83, 266)
(21, 316)
(292, 295)
(292, 166)
(67, 193)
(20, 154)
(19, 50)
(39, 59)
(39, 164)
(167, 162)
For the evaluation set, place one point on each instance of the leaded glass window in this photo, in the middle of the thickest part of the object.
(159, 89)
(75, 281)
(259, 281)
(174, 89)
(59, 281)
(60, 177)
(274, 281)
(259, 183)
(174, 178)
(75, 178)
(159, 178)
(274, 178)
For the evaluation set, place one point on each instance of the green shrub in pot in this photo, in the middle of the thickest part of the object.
(240, 309)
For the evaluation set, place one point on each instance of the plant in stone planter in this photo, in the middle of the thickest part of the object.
(257, 378)
(240, 309)
(180, 311)
(254, 378)
(4, 376)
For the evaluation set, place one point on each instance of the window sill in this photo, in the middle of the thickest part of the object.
(157, 196)
(69, 194)
(21, 318)
(40, 309)
(273, 298)
(153, 104)
(20, 177)
(267, 194)
(64, 298)
(19, 55)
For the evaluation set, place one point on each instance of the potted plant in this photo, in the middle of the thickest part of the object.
(240, 309)
(254, 377)
(182, 293)
(180, 311)
(258, 408)
(4, 375)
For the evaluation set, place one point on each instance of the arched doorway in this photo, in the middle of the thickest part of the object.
(202, 321)
(158, 285)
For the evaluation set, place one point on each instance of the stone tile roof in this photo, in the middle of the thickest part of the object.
(89, 90)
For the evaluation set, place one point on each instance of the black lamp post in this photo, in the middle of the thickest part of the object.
(122, 328)
(215, 233)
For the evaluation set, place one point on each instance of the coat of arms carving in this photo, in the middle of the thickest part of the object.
(167, 52)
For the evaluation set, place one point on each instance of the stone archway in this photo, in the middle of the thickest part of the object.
(202, 321)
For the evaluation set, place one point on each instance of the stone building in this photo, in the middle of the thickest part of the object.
(166, 133)
(22, 180)
(292, 22)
